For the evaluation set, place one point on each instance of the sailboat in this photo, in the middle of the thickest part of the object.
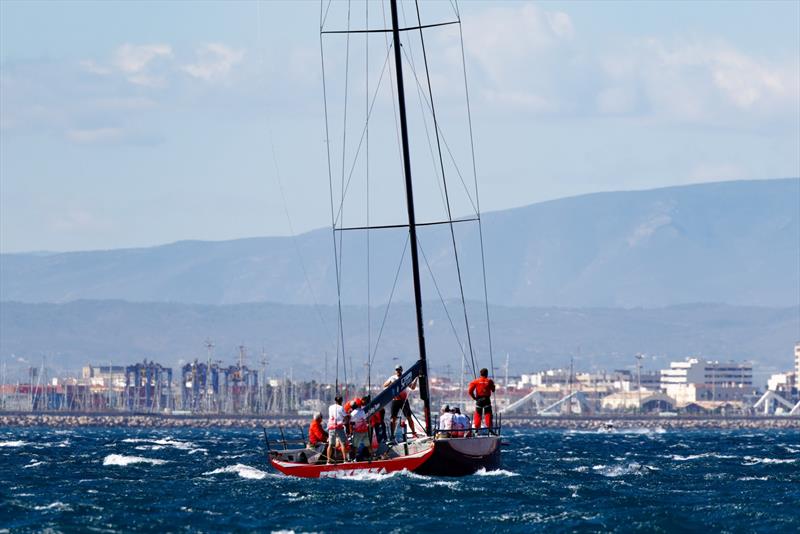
(436, 453)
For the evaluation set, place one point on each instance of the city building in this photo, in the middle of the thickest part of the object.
(703, 380)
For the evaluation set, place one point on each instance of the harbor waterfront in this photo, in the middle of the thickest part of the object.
(64, 420)
(555, 480)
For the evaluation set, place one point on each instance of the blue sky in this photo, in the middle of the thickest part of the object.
(132, 124)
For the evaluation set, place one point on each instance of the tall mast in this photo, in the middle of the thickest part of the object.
(412, 222)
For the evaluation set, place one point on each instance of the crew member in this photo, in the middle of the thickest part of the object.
(481, 390)
(400, 402)
(358, 419)
(460, 423)
(445, 422)
(336, 425)
(317, 437)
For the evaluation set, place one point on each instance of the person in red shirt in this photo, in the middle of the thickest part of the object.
(317, 437)
(481, 390)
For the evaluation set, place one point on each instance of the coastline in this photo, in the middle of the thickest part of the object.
(63, 420)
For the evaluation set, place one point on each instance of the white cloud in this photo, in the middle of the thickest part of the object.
(214, 62)
(134, 62)
(534, 60)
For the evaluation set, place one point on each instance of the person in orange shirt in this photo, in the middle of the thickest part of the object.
(481, 390)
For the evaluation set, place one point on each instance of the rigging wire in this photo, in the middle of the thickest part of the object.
(477, 197)
(344, 152)
(366, 159)
(444, 184)
(444, 141)
(339, 334)
(391, 297)
(294, 239)
(446, 312)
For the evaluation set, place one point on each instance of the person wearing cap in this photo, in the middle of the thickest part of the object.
(336, 425)
(317, 437)
(460, 423)
(358, 418)
(400, 402)
(445, 422)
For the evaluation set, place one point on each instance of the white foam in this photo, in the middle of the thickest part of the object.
(751, 460)
(679, 458)
(244, 471)
(32, 464)
(166, 442)
(372, 474)
(482, 472)
(58, 505)
(747, 479)
(13, 443)
(614, 471)
(119, 459)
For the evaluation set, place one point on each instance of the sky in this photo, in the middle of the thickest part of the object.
(128, 124)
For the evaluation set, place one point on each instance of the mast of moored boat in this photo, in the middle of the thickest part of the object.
(412, 223)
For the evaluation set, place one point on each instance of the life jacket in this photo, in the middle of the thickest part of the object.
(482, 386)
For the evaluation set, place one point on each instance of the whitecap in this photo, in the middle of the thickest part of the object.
(482, 472)
(747, 479)
(13, 443)
(679, 458)
(58, 505)
(163, 442)
(244, 471)
(121, 460)
(614, 471)
(751, 460)
(33, 464)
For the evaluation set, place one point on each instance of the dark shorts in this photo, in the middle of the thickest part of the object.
(397, 405)
(483, 405)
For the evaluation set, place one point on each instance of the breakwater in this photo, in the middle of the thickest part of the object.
(532, 422)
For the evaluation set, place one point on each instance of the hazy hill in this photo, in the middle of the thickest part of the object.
(732, 242)
(297, 338)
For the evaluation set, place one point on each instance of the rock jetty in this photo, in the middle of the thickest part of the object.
(58, 420)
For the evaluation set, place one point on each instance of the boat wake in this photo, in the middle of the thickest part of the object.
(244, 471)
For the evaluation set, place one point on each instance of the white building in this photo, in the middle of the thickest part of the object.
(797, 359)
(701, 380)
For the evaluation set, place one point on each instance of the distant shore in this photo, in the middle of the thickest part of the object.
(17, 419)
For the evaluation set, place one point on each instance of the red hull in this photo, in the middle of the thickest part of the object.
(410, 462)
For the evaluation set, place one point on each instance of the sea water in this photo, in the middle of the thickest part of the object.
(93, 479)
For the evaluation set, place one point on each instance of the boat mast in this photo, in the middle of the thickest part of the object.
(412, 223)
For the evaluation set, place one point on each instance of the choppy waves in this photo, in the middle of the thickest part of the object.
(213, 480)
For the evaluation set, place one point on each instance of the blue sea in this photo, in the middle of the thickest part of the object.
(206, 480)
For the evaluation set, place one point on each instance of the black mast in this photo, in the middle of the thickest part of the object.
(412, 222)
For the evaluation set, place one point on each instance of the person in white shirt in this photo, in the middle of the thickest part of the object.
(358, 418)
(445, 422)
(460, 423)
(336, 424)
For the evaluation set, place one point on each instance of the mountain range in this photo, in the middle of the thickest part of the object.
(729, 242)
